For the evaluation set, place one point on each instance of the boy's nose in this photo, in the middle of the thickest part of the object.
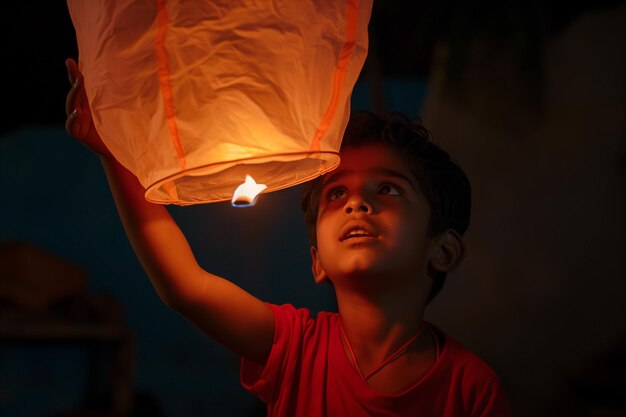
(357, 203)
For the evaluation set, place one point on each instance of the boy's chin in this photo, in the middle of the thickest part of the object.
(371, 270)
(356, 263)
(360, 268)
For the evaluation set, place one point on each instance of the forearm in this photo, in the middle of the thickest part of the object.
(155, 237)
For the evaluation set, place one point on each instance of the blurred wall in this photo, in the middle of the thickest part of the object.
(542, 292)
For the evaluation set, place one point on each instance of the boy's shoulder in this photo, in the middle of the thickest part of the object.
(461, 360)
(477, 383)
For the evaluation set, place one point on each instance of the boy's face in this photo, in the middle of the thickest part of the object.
(373, 219)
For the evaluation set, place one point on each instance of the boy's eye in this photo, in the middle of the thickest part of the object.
(388, 189)
(335, 194)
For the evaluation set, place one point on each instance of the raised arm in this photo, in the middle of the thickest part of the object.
(227, 313)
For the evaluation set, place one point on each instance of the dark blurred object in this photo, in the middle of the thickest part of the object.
(33, 279)
(91, 307)
(43, 302)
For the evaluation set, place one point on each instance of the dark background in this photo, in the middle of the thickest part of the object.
(37, 36)
(529, 97)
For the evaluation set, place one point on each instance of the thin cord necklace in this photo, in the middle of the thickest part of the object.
(398, 352)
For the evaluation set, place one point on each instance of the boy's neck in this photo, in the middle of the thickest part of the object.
(382, 321)
(375, 331)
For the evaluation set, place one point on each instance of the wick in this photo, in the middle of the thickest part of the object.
(242, 202)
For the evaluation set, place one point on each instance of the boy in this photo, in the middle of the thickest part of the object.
(385, 229)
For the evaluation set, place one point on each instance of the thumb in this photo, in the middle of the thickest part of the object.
(72, 70)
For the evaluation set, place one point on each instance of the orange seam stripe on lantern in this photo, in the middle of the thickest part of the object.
(352, 17)
(164, 80)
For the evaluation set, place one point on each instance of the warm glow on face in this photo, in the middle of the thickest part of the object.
(246, 194)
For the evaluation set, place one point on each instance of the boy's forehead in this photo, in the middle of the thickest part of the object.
(372, 160)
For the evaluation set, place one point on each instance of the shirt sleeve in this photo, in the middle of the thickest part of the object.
(263, 380)
(482, 392)
(491, 400)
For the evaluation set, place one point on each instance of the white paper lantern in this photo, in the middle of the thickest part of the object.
(192, 96)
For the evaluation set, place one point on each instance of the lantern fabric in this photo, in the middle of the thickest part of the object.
(192, 96)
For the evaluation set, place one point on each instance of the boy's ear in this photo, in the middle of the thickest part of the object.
(318, 271)
(448, 252)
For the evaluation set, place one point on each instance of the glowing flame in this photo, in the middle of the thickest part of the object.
(246, 194)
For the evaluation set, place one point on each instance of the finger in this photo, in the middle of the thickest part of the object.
(72, 70)
(71, 101)
(76, 96)
(77, 126)
(71, 124)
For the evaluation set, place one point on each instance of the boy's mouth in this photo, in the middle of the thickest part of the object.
(356, 231)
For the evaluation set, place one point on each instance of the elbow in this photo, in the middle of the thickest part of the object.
(169, 299)
(174, 298)
(179, 290)
(170, 282)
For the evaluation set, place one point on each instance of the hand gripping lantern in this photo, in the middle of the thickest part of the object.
(193, 96)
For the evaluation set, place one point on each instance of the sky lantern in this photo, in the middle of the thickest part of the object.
(194, 97)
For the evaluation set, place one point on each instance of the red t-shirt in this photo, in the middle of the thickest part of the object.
(308, 374)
